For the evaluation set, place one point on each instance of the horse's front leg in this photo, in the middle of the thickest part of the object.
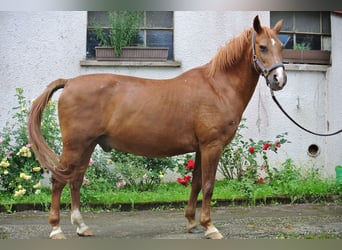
(54, 217)
(76, 217)
(190, 212)
(210, 158)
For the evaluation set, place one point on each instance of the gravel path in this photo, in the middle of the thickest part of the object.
(234, 222)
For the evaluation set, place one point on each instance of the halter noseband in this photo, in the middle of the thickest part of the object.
(256, 62)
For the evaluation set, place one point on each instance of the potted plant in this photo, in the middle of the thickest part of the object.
(116, 43)
(302, 53)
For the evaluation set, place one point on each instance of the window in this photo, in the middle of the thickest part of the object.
(156, 30)
(305, 31)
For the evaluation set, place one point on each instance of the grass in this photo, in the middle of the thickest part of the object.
(301, 190)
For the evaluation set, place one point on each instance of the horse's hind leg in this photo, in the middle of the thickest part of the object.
(190, 212)
(54, 217)
(77, 160)
(76, 217)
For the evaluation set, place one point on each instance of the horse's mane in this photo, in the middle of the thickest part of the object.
(230, 54)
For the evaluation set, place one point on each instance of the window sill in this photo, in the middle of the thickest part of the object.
(306, 56)
(92, 63)
(306, 67)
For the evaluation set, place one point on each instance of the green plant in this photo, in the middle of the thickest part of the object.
(20, 172)
(138, 172)
(247, 159)
(124, 30)
(302, 46)
(185, 167)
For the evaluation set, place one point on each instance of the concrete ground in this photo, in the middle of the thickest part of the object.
(234, 222)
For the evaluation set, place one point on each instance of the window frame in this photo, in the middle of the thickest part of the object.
(144, 29)
(306, 56)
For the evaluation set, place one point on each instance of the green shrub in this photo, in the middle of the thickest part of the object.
(20, 172)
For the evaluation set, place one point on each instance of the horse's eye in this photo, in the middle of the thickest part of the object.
(262, 48)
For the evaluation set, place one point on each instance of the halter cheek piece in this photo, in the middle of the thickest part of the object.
(256, 62)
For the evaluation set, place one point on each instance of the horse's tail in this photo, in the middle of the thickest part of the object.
(44, 154)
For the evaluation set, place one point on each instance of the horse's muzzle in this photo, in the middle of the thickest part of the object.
(277, 78)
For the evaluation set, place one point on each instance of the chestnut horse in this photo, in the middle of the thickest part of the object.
(197, 111)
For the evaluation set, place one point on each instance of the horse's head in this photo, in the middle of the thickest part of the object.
(267, 54)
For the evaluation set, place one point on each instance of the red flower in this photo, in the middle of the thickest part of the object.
(277, 144)
(266, 146)
(190, 165)
(184, 181)
(260, 181)
(251, 150)
(187, 177)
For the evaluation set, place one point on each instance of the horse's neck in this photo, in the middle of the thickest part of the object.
(240, 79)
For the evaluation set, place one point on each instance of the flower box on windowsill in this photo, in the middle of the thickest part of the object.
(132, 54)
(306, 56)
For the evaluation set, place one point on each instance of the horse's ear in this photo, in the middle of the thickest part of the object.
(278, 25)
(256, 25)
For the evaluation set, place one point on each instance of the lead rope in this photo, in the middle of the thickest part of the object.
(288, 116)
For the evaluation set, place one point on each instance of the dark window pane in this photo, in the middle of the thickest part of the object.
(312, 42)
(91, 43)
(326, 25)
(160, 38)
(286, 16)
(159, 19)
(307, 21)
(99, 18)
(287, 40)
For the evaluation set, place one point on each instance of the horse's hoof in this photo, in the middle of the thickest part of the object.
(214, 236)
(195, 230)
(85, 233)
(58, 236)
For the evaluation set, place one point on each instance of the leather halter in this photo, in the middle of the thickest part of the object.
(256, 62)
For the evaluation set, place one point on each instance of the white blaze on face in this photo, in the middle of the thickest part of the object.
(280, 76)
(273, 42)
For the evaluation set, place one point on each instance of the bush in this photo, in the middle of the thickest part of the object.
(138, 172)
(247, 159)
(20, 172)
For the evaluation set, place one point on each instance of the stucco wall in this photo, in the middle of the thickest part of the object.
(38, 47)
(334, 95)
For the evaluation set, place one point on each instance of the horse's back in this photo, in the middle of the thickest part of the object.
(128, 113)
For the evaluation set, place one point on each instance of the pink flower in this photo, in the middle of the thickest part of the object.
(266, 146)
(121, 184)
(277, 144)
(28, 145)
(190, 165)
(251, 150)
(86, 181)
(91, 161)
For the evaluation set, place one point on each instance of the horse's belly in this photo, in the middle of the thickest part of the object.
(150, 144)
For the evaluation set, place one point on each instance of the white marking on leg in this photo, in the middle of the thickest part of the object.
(55, 230)
(213, 233)
(211, 229)
(76, 219)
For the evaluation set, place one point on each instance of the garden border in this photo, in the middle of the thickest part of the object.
(19, 207)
